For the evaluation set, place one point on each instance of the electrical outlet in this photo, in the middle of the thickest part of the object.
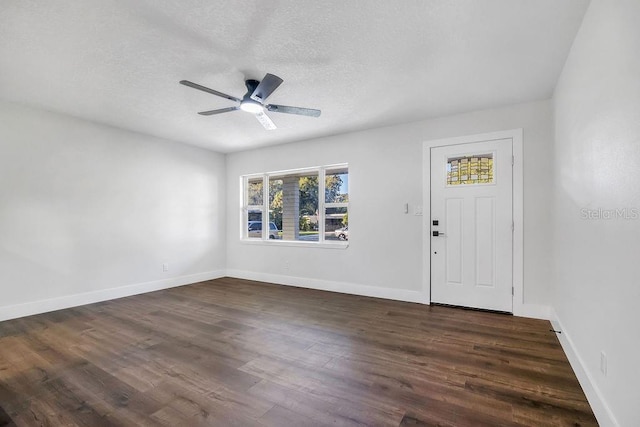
(603, 363)
(165, 267)
(286, 265)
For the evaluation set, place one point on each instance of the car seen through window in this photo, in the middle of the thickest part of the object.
(255, 230)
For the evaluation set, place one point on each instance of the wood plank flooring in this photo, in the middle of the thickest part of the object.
(231, 352)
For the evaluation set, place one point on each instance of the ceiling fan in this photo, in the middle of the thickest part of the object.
(253, 101)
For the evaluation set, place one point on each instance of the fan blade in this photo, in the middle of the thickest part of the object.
(220, 111)
(266, 87)
(206, 89)
(265, 121)
(293, 110)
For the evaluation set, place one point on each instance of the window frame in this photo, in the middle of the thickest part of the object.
(266, 215)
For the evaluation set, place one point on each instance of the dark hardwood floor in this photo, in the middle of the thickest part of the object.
(232, 352)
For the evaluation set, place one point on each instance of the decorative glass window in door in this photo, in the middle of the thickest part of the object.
(474, 169)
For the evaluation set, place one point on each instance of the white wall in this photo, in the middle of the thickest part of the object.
(597, 166)
(90, 212)
(385, 256)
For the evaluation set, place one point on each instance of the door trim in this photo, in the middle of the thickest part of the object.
(516, 136)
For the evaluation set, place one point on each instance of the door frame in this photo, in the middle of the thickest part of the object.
(516, 136)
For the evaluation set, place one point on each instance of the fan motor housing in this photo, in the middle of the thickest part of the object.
(251, 85)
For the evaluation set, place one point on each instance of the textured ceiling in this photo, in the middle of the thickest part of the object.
(363, 63)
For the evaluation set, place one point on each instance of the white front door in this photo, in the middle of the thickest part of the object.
(471, 225)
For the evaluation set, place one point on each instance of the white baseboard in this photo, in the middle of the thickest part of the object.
(533, 311)
(67, 301)
(59, 303)
(326, 285)
(603, 413)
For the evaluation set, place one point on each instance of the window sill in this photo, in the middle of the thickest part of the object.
(323, 245)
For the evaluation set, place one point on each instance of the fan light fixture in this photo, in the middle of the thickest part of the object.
(251, 106)
(253, 101)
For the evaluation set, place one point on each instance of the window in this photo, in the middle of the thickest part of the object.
(336, 201)
(292, 203)
(255, 207)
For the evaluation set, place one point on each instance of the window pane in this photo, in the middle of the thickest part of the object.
(336, 186)
(275, 207)
(308, 210)
(336, 221)
(294, 202)
(475, 169)
(254, 192)
(254, 224)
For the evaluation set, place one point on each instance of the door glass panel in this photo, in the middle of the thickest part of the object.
(473, 169)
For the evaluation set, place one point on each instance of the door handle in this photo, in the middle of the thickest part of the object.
(437, 234)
